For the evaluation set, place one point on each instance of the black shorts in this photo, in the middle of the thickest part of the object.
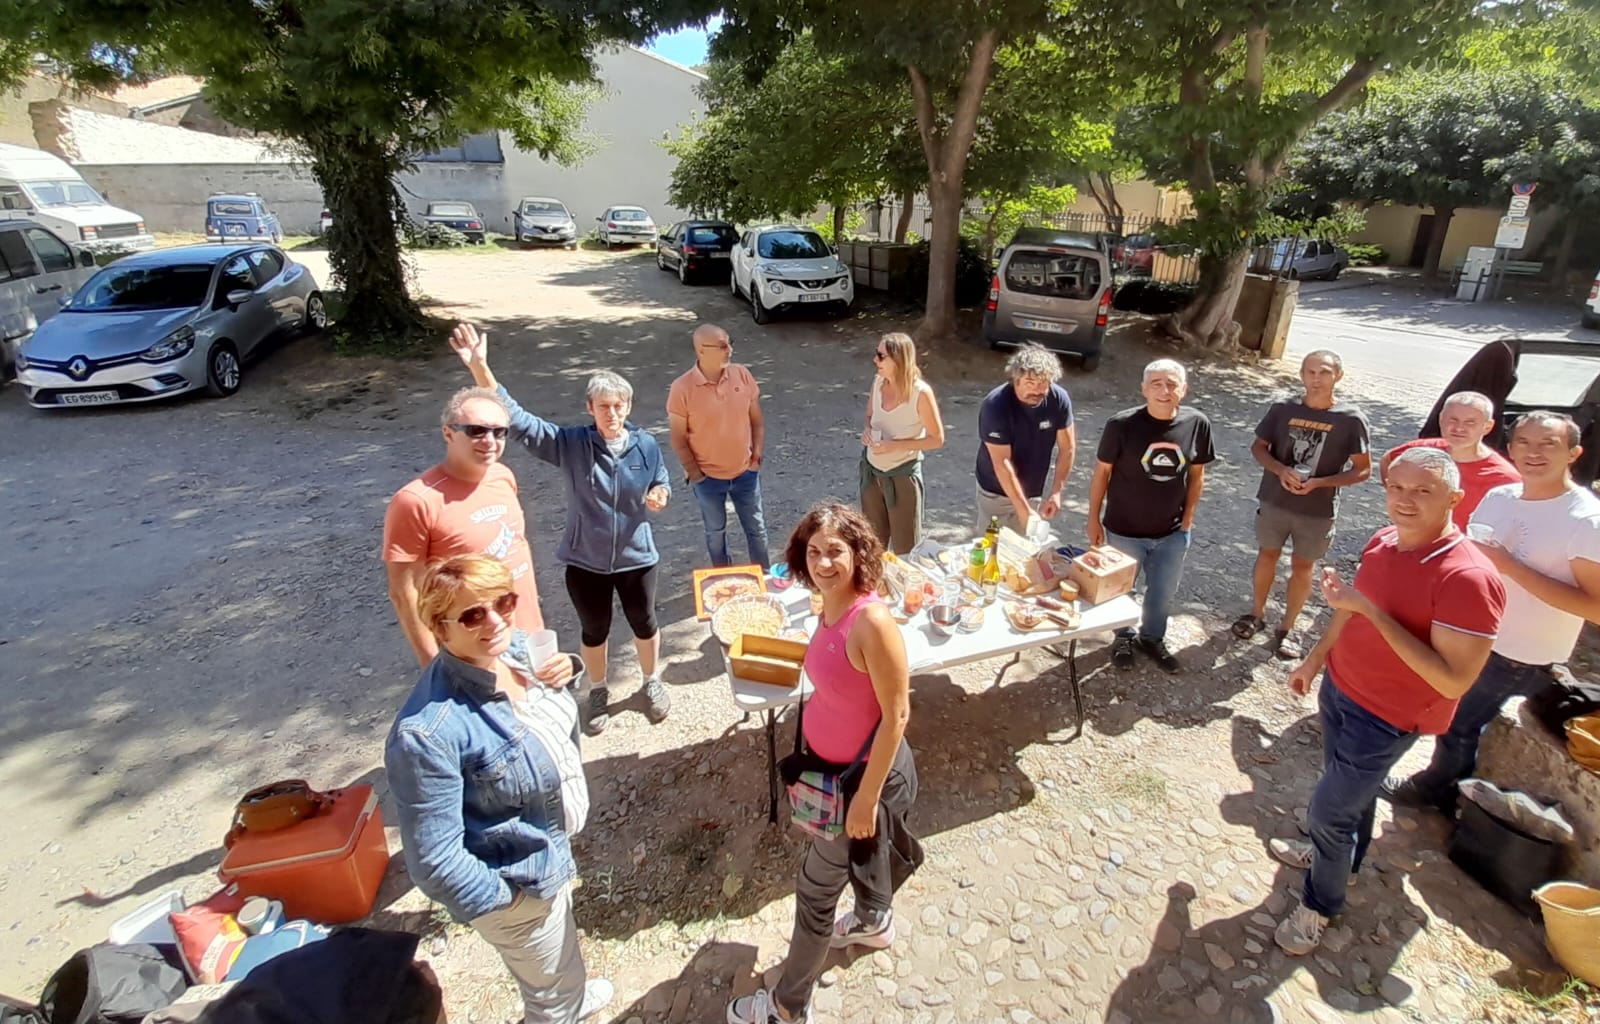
(591, 596)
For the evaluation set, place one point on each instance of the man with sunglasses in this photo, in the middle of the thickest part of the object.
(465, 505)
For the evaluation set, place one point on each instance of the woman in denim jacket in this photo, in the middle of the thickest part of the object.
(616, 478)
(484, 766)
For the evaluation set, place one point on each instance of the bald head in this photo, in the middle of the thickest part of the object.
(712, 349)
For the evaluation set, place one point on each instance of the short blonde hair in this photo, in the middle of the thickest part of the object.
(444, 583)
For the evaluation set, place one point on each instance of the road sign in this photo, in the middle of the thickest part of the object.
(1512, 233)
(1518, 207)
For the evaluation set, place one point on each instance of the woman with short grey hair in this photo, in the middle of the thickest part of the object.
(615, 479)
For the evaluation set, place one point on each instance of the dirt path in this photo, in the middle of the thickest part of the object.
(191, 604)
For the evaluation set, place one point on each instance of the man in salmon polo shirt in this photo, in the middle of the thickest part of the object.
(1465, 419)
(1407, 640)
(467, 504)
(714, 413)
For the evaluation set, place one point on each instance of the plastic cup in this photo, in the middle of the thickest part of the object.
(541, 647)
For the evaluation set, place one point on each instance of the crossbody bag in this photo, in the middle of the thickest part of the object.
(819, 792)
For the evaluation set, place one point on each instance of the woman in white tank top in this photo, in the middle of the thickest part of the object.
(902, 422)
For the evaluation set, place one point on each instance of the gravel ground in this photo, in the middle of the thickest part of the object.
(191, 604)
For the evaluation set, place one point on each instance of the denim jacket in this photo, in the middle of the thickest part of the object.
(478, 796)
(608, 527)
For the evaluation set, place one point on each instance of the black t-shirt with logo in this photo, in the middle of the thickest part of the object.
(1320, 441)
(1150, 460)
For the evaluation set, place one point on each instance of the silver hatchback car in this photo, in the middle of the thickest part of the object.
(1054, 288)
(167, 322)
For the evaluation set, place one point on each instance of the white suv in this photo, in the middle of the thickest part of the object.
(781, 266)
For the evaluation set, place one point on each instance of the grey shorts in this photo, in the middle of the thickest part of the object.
(1311, 536)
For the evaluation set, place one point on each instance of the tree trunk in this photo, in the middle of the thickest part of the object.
(988, 233)
(838, 222)
(1440, 228)
(903, 224)
(375, 313)
(1207, 322)
(1569, 237)
(939, 309)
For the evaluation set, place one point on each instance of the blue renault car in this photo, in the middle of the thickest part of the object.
(241, 218)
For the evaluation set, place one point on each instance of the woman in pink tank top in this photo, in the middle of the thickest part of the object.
(856, 716)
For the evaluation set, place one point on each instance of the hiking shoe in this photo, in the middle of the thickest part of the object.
(759, 1008)
(1297, 853)
(1402, 792)
(849, 931)
(1157, 650)
(1300, 932)
(597, 992)
(657, 703)
(1122, 652)
(595, 722)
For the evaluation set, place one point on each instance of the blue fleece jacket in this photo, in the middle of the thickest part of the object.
(608, 526)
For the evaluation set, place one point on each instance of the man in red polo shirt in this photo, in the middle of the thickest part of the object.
(1465, 419)
(1407, 639)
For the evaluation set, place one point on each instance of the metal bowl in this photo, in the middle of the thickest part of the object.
(944, 618)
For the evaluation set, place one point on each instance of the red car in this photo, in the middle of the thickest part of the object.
(1134, 253)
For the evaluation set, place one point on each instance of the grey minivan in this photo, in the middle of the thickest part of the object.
(38, 272)
(1054, 288)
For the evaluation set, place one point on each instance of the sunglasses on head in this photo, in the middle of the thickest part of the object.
(477, 430)
(478, 614)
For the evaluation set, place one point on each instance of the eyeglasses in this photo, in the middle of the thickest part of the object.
(879, 356)
(477, 430)
(478, 614)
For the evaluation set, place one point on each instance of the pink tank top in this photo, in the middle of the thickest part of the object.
(842, 710)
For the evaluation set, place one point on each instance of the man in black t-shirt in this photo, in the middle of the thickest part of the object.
(1149, 473)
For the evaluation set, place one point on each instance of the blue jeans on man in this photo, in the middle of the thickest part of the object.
(1161, 563)
(1455, 754)
(1358, 749)
(744, 491)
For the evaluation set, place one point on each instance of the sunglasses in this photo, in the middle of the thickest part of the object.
(477, 430)
(478, 614)
(879, 356)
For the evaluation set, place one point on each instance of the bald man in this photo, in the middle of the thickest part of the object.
(714, 412)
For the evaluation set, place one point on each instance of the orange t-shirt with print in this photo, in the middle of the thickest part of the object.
(437, 516)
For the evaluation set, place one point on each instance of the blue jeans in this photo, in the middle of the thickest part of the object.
(1161, 562)
(1358, 749)
(1455, 753)
(745, 491)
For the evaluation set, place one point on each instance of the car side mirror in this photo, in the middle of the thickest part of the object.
(601, 217)
(239, 296)
(85, 258)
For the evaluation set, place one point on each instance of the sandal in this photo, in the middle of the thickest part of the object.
(1247, 626)
(1288, 646)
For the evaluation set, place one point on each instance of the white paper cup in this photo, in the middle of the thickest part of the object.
(541, 646)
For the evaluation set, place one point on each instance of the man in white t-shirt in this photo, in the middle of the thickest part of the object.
(1544, 536)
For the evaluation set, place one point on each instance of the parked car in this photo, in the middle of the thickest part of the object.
(1135, 254)
(781, 267)
(539, 221)
(38, 272)
(462, 217)
(325, 221)
(42, 188)
(164, 323)
(696, 246)
(1523, 374)
(1054, 288)
(1313, 258)
(241, 218)
(626, 225)
(1591, 309)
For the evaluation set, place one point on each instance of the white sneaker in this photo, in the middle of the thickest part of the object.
(1298, 853)
(849, 931)
(760, 1009)
(1300, 932)
(597, 992)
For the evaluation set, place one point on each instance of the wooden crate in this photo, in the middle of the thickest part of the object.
(767, 659)
(1097, 585)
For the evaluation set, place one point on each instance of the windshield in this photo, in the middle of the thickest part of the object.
(450, 210)
(629, 215)
(551, 208)
(713, 235)
(63, 193)
(792, 245)
(129, 288)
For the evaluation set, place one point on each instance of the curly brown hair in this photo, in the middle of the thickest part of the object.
(853, 528)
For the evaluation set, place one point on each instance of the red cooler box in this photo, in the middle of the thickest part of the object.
(325, 869)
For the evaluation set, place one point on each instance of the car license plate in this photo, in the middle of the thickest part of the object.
(815, 298)
(89, 398)
(719, 255)
(1048, 326)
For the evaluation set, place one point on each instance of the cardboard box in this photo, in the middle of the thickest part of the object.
(1111, 577)
(767, 659)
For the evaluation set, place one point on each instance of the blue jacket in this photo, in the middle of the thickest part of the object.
(478, 796)
(608, 527)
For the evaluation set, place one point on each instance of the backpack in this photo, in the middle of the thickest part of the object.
(111, 984)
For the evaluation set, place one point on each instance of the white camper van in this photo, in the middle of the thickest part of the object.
(42, 188)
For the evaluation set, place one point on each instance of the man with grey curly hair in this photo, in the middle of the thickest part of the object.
(1019, 424)
(466, 505)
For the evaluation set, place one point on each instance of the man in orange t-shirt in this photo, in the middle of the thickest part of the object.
(467, 504)
(1465, 419)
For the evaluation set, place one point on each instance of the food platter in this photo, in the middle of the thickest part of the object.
(748, 615)
(714, 588)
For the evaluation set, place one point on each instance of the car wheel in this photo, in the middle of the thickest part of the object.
(316, 314)
(1294, 275)
(222, 370)
(1591, 320)
(1091, 362)
(733, 283)
(683, 271)
(1333, 275)
(572, 246)
(758, 312)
